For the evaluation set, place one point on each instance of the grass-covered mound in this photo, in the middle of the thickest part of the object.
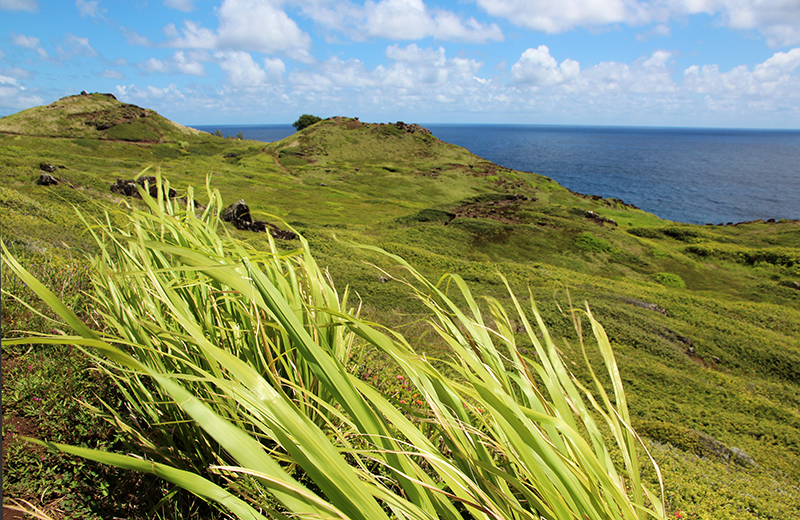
(704, 320)
(95, 116)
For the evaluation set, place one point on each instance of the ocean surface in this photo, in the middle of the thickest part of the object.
(688, 175)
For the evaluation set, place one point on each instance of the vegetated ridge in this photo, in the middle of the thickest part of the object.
(704, 319)
(96, 116)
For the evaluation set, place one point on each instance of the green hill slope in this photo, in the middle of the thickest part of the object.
(96, 116)
(705, 320)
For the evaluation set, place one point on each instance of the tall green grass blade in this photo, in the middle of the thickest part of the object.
(187, 480)
(248, 352)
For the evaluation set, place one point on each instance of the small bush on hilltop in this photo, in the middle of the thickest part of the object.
(305, 121)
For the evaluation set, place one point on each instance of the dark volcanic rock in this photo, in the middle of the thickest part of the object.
(591, 215)
(283, 234)
(47, 180)
(244, 225)
(127, 187)
(258, 226)
(412, 129)
(239, 210)
(238, 214)
(47, 167)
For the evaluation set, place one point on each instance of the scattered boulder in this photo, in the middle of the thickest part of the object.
(412, 129)
(591, 215)
(238, 214)
(47, 180)
(244, 225)
(49, 168)
(258, 226)
(239, 210)
(283, 234)
(127, 187)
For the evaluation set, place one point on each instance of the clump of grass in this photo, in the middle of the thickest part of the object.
(588, 242)
(235, 365)
(670, 280)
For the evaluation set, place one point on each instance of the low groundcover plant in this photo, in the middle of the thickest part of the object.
(236, 367)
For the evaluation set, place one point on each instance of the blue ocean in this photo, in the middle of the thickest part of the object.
(688, 175)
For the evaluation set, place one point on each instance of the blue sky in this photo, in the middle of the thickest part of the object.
(707, 63)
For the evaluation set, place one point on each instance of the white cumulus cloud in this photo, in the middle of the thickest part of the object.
(777, 20)
(242, 71)
(74, 46)
(29, 42)
(13, 96)
(112, 74)
(536, 67)
(398, 20)
(244, 25)
(88, 8)
(19, 5)
(155, 66)
(539, 70)
(412, 20)
(183, 62)
(554, 17)
(775, 81)
(190, 63)
(417, 77)
(150, 95)
(134, 38)
(181, 5)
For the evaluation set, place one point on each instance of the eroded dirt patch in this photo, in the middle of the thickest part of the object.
(501, 209)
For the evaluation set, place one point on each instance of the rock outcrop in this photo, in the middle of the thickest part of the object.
(591, 215)
(238, 214)
(412, 129)
(127, 187)
(47, 180)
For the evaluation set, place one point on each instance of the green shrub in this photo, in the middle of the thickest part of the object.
(670, 280)
(305, 121)
(291, 151)
(645, 232)
(588, 242)
(779, 256)
(682, 233)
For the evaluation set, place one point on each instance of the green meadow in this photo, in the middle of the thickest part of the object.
(703, 321)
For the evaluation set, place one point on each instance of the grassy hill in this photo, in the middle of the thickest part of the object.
(96, 116)
(705, 320)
